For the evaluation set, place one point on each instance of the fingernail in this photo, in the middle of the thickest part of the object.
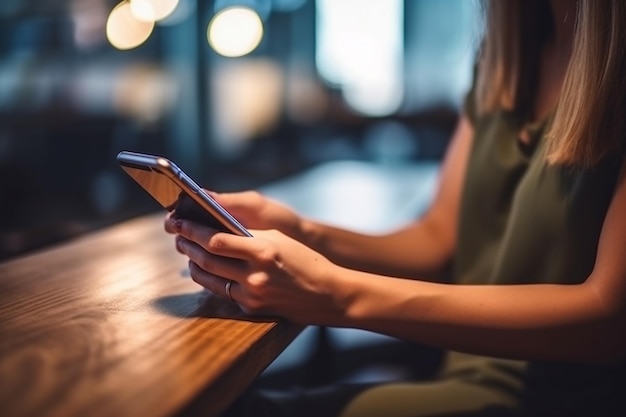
(178, 225)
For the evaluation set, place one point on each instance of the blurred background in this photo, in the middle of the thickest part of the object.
(340, 108)
(266, 94)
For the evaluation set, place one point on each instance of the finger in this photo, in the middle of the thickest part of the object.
(213, 283)
(229, 268)
(235, 202)
(225, 199)
(169, 223)
(220, 243)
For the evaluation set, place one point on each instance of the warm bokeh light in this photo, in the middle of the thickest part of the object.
(152, 10)
(247, 101)
(144, 92)
(306, 99)
(235, 31)
(124, 31)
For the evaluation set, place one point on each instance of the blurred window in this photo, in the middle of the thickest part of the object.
(360, 50)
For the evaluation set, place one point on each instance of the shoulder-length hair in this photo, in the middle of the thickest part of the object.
(590, 117)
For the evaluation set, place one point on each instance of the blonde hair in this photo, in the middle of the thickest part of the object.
(590, 118)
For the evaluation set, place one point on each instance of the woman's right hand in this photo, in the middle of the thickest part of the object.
(255, 211)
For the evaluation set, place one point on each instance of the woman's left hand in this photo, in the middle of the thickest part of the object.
(271, 273)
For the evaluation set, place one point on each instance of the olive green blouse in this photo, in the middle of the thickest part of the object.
(523, 221)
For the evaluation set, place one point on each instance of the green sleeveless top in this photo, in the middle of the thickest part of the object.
(523, 221)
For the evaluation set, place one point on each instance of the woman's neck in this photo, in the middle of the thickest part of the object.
(555, 58)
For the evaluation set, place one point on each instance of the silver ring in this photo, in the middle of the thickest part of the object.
(227, 286)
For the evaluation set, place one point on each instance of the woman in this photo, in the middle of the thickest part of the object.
(530, 213)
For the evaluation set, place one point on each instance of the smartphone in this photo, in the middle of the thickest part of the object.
(177, 192)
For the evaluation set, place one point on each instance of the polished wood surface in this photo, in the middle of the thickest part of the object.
(110, 324)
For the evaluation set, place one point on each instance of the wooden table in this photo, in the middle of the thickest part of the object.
(110, 324)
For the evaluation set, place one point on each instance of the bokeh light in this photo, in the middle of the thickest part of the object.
(124, 31)
(235, 31)
(152, 10)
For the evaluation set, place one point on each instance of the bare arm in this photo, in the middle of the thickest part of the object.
(421, 249)
(277, 275)
(583, 322)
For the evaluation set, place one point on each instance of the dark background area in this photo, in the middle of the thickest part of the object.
(70, 101)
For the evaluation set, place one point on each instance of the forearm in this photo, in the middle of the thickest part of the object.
(421, 250)
(416, 251)
(531, 322)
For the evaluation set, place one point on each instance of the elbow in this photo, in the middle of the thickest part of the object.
(442, 235)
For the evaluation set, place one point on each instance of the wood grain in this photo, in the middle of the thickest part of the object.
(111, 325)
